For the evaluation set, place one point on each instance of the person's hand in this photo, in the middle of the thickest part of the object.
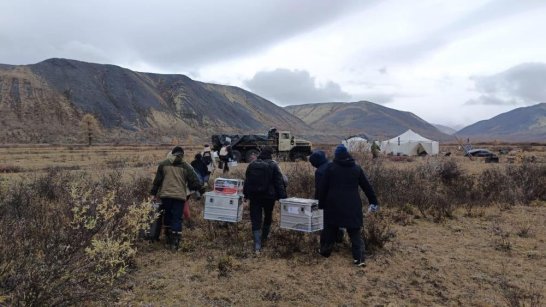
(373, 208)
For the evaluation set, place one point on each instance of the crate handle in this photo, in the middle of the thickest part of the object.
(302, 209)
(231, 201)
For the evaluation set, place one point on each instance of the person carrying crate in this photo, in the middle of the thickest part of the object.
(262, 187)
(173, 178)
(339, 198)
(319, 161)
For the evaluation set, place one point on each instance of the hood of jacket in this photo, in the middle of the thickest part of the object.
(318, 158)
(175, 160)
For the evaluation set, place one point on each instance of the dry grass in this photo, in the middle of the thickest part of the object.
(454, 263)
(481, 253)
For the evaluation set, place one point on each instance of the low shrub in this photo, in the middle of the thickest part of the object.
(10, 168)
(67, 238)
(377, 231)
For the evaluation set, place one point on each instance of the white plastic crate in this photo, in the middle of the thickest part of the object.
(301, 214)
(223, 207)
(228, 186)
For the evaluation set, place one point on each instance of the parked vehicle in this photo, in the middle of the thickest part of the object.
(286, 147)
(480, 152)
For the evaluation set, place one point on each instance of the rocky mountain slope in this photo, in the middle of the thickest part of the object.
(45, 102)
(363, 117)
(445, 129)
(519, 125)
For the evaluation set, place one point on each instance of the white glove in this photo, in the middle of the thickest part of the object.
(373, 208)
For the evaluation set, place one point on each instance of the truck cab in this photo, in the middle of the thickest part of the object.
(285, 140)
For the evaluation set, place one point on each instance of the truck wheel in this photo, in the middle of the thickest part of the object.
(249, 154)
(299, 157)
(236, 155)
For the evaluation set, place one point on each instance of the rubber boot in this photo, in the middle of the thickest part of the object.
(339, 235)
(168, 237)
(257, 240)
(175, 240)
(265, 234)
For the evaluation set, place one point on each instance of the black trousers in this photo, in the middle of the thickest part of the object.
(225, 166)
(172, 217)
(328, 238)
(259, 208)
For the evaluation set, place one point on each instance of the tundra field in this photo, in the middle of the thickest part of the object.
(451, 231)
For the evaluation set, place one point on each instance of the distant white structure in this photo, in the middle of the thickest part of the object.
(357, 144)
(411, 144)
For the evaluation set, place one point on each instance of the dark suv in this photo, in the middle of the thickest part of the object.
(480, 153)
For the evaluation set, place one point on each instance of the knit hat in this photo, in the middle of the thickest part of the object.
(340, 149)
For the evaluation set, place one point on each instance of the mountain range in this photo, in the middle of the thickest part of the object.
(45, 102)
(526, 124)
(376, 121)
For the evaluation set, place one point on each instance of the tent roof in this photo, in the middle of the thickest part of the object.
(409, 136)
(356, 139)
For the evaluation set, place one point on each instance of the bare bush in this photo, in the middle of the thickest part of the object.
(377, 231)
(10, 168)
(437, 187)
(66, 238)
(529, 180)
(516, 296)
(301, 180)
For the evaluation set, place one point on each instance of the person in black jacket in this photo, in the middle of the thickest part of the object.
(200, 167)
(340, 199)
(263, 186)
(320, 162)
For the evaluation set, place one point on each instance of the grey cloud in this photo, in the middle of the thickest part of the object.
(489, 100)
(294, 87)
(422, 46)
(169, 34)
(521, 84)
(380, 98)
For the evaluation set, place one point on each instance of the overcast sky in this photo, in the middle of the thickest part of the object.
(449, 62)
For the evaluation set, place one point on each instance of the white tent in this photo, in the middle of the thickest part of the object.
(411, 144)
(356, 144)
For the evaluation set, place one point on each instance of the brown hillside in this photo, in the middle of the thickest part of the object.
(363, 117)
(44, 102)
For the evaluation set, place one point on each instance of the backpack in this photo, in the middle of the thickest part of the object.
(207, 157)
(259, 176)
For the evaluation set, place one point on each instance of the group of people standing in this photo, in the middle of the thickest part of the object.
(204, 163)
(337, 184)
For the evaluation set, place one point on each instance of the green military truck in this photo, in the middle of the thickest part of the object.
(284, 144)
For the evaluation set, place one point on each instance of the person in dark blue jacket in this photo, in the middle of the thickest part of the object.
(320, 162)
(340, 199)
